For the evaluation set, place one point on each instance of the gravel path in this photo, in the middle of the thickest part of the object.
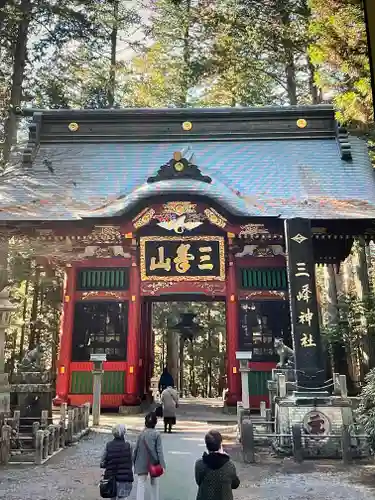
(73, 474)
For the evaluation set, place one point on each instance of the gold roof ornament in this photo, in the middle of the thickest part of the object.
(301, 123)
(187, 126)
(73, 127)
(179, 166)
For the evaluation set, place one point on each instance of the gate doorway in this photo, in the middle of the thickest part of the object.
(196, 362)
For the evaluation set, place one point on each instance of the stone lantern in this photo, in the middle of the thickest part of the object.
(6, 308)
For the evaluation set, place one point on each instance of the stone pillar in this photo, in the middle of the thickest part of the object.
(309, 359)
(97, 374)
(131, 397)
(232, 328)
(245, 388)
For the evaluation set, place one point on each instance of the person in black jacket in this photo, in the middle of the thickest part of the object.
(117, 462)
(215, 473)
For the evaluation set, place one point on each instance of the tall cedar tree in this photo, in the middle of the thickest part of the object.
(339, 53)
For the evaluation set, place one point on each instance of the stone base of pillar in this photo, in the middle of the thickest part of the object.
(58, 401)
(321, 418)
(130, 410)
(231, 400)
(131, 400)
(32, 393)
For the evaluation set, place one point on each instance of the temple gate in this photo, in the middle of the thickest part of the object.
(237, 205)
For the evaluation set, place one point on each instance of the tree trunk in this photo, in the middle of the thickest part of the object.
(186, 71)
(181, 366)
(209, 365)
(112, 71)
(369, 266)
(340, 362)
(54, 347)
(362, 291)
(172, 354)
(315, 93)
(24, 314)
(19, 62)
(193, 387)
(290, 71)
(290, 66)
(34, 309)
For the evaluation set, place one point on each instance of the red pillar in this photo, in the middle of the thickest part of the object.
(142, 350)
(66, 332)
(150, 347)
(132, 379)
(232, 327)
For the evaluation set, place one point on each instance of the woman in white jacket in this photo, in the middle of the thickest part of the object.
(169, 400)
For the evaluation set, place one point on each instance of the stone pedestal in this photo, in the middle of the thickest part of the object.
(31, 393)
(320, 415)
(321, 418)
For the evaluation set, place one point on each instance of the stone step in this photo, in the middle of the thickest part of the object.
(26, 429)
(28, 457)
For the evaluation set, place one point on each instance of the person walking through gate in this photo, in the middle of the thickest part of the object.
(169, 401)
(117, 462)
(215, 473)
(148, 452)
(166, 380)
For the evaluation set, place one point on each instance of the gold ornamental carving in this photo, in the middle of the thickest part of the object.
(144, 218)
(155, 286)
(265, 293)
(215, 218)
(253, 229)
(179, 208)
(179, 216)
(105, 234)
(101, 294)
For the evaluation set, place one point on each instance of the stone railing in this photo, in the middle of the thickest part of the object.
(75, 421)
(5, 443)
(48, 441)
(45, 438)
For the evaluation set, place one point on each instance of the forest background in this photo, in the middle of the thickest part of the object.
(181, 53)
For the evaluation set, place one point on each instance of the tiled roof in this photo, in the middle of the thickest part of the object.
(285, 177)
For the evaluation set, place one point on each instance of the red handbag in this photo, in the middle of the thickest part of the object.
(155, 470)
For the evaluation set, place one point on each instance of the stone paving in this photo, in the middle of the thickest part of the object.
(74, 473)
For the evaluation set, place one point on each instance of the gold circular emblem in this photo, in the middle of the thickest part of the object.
(179, 166)
(301, 123)
(73, 127)
(187, 126)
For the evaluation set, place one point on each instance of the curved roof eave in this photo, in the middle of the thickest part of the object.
(216, 191)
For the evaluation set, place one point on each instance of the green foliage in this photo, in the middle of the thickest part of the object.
(365, 413)
(204, 356)
(339, 52)
(37, 293)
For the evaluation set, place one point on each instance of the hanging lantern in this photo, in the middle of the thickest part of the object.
(187, 326)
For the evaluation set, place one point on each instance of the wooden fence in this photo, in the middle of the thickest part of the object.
(45, 438)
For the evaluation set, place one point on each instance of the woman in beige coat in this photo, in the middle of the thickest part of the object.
(169, 400)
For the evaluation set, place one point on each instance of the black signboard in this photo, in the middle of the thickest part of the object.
(309, 360)
(174, 258)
